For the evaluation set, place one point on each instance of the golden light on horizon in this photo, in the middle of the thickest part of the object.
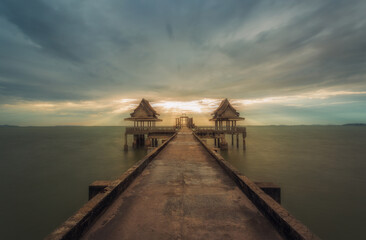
(195, 106)
(112, 111)
(170, 106)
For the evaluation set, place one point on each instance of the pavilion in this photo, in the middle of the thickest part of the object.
(144, 116)
(226, 116)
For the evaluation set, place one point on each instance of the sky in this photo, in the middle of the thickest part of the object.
(89, 62)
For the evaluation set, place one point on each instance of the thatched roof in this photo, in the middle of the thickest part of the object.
(226, 112)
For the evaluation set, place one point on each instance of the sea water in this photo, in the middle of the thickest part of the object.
(45, 173)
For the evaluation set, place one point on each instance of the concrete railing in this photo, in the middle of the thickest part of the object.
(76, 225)
(287, 225)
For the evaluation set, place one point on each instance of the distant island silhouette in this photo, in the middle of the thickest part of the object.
(354, 124)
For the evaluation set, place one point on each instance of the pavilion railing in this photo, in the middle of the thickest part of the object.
(231, 129)
(149, 129)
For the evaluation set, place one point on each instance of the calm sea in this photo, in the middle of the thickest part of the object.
(45, 173)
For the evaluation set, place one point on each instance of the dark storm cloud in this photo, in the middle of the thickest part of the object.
(56, 31)
(66, 50)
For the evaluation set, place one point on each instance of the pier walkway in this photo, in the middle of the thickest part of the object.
(182, 194)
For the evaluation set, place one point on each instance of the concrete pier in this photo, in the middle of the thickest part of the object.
(182, 194)
(182, 190)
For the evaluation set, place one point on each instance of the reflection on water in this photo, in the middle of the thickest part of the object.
(321, 171)
(45, 173)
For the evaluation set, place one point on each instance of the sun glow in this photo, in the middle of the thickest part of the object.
(195, 106)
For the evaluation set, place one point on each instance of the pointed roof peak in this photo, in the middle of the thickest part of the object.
(223, 105)
(226, 111)
(148, 107)
(144, 111)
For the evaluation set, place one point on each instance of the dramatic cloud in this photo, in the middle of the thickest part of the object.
(182, 52)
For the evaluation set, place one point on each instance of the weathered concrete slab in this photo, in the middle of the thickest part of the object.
(273, 190)
(182, 194)
(284, 222)
(97, 187)
(75, 226)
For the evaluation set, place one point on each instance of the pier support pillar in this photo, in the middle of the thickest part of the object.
(148, 142)
(244, 147)
(125, 147)
(141, 140)
(135, 138)
(223, 143)
(237, 140)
